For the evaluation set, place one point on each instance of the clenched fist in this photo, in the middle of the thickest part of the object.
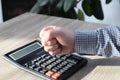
(57, 40)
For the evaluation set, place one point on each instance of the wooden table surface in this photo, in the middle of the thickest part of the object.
(25, 28)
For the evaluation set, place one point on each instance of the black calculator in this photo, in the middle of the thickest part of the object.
(32, 58)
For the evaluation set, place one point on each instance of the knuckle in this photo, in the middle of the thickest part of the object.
(51, 53)
(45, 49)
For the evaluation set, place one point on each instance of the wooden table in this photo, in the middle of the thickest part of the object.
(25, 28)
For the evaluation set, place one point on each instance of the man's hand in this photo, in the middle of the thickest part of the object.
(57, 40)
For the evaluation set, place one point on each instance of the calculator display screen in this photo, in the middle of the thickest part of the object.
(25, 51)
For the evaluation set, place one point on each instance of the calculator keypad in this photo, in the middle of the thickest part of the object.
(53, 67)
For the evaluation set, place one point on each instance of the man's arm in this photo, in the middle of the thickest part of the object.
(103, 41)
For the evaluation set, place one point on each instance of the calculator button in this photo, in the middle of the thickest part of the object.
(38, 69)
(32, 66)
(55, 76)
(65, 56)
(55, 69)
(50, 66)
(49, 73)
(58, 61)
(64, 63)
(72, 61)
(39, 58)
(43, 71)
(42, 60)
(43, 65)
(61, 71)
(43, 55)
(34, 61)
(48, 57)
(70, 65)
(38, 63)
(57, 56)
(49, 61)
(26, 65)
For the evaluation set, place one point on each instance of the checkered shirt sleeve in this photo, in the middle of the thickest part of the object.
(103, 41)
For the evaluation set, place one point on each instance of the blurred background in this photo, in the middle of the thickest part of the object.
(12, 8)
(111, 13)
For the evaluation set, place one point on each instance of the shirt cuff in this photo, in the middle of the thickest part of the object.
(85, 42)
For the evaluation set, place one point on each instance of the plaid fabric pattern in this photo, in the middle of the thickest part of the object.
(103, 41)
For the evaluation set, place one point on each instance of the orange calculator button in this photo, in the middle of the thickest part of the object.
(49, 73)
(55, 76)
